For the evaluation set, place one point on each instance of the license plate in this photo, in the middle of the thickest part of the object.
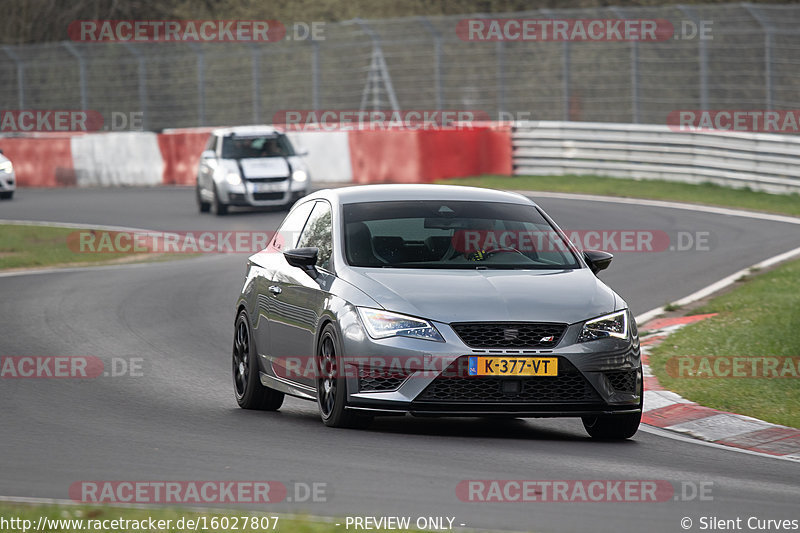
(269, 187)
(513, 366)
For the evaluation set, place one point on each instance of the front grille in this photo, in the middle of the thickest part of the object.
(374, 382)
(622, 380)
(568, 386)
(267, 180)
(509, 334)
(263, 196)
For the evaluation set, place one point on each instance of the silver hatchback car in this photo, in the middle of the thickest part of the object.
(250, 166)
(434, 301)
(8, 180)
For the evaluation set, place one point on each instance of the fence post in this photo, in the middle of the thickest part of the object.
(634, 70)
(142, 73)
(769, 91)
(437, 60)
(18, 61)
(81, 72)
(256, 75)
(565, 68)
(315, 75)
(702, 53)
(377, 71)
(201, 84)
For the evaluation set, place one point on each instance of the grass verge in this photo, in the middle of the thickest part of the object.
(758, 318)
(47, 246)
(69, 518)
(705, 193)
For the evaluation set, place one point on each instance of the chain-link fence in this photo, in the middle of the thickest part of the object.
(750, 61)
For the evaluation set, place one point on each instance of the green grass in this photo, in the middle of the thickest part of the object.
(760, 317)
(86, 512)
(47, 246)
(706, 193)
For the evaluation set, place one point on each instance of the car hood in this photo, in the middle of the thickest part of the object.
(488, 295)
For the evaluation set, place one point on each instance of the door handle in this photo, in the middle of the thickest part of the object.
(275, 289)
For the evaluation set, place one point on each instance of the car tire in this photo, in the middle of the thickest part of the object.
(220, 209)
(615, 427)
(332, 385)
(7, 195)
(250, 392)
(204, 207)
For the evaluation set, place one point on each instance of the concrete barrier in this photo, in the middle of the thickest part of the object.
(114, 159)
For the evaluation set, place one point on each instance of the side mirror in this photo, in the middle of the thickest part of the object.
(597, 260)
(304, 258)
(208, 154)
(301, 152)
(1, 152)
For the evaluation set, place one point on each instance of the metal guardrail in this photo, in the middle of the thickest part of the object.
(761, 161)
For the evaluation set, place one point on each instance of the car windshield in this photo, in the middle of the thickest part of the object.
(257, 146)
(453, 234)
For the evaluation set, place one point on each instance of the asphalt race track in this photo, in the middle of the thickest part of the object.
(179, 419)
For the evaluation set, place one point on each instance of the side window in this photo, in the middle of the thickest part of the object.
(319, 232)
(286, 236)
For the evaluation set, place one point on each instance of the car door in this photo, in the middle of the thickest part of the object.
(298, 300)
(263, 268)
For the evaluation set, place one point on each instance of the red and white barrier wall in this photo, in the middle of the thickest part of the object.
(171, 157)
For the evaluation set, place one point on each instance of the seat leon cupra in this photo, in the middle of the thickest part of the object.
(435, 301)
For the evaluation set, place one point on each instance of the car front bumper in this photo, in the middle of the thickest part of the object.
(598, 377)
(264, 194)
(8, 182)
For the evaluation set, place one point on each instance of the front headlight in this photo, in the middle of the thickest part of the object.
(383, 324)
(6, 167)
(613, 325)
(299, 175)
(233, 178)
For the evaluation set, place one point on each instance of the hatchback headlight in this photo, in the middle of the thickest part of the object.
(299, 175)
(383, 324)
(6, 167)
(613, 325)
(233, 178)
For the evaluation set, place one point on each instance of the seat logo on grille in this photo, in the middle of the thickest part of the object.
(510, 334)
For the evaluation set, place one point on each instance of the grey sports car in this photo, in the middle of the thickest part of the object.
(435, 301)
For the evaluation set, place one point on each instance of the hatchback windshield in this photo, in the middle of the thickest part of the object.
(257, 146)
(457, 234)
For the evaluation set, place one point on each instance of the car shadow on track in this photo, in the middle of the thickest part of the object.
(304, 417)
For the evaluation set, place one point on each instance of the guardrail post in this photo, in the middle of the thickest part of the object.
(769, 91)
(702, 53)
(81, 72)
(18, 61)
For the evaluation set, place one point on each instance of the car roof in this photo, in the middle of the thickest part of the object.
(246, 131)
(392, 192)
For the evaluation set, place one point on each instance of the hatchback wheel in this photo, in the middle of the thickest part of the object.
(250, 392)
(202, 205)
(220, 209)
(332, 387)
